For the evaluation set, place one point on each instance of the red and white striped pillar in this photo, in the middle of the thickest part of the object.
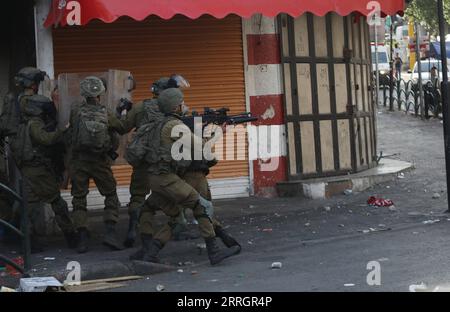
(264, 84)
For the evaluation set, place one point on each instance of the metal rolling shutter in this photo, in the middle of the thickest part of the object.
(207, 51)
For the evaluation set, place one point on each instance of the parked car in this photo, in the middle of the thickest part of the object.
(426, 66)
(383, 60)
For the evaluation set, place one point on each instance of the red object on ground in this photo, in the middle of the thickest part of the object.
(110, 10)
(380, 202)
(12, 271)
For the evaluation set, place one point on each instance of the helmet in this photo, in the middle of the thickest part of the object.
(92, 87)
(175, 81)
(160, 85)
(37, 104)
(28, 76)
(170, 99)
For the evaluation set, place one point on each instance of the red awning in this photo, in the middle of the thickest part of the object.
(110, 10)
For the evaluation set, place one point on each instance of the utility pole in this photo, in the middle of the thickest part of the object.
(377, 72)
(391, 76)
(445, 96)
(419, 69)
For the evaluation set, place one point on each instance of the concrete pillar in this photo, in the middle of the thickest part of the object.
(263, 75)
(44, 39)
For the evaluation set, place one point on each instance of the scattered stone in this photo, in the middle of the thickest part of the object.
(160, 287)
(436, 195)
(201, 246)
(277, 265)
(431, 221)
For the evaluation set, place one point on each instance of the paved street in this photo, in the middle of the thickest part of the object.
(324, 251)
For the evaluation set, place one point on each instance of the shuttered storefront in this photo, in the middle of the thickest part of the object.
(207, 51)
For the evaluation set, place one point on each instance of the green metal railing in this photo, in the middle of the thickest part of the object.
(23, 233)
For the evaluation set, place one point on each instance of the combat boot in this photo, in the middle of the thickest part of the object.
(149, 251)
(82, 241)
(132, 227)
(226, 238)
(216, 254)
(110, 238)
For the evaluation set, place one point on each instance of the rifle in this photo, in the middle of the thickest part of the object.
(217, 117)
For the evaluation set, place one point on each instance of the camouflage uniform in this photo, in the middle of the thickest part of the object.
(172, 194)
(86, 165)
(41, 182)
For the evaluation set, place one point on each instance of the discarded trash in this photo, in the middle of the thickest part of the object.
(188, 263)
(327, 208)
(401, 175)
(250, 242)
(11, 271)
(277, 265)
(49, 258)
(6, 289)
(365, 231)
(39, 284)
(383, 259)
(180, 271)
(415, 233)
(379, 202)
(341, 225)
(307, 224)
(415, 288)
(388, 187)
(436, 195)
(267, 230)
(348, 192)
(160, 287)
(349, 285)
(194, 272)
(431, 221)
(214, 280)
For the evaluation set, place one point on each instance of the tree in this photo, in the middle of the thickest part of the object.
(425, 12)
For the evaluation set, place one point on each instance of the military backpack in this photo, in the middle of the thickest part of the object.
(92, 134)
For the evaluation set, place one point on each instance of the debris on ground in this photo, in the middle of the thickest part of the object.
(431, 221)
(341, 225)
(267, 230)
(160, 287)
(417, 287)
(327, 208)
(49, 258)
(194, 272)
(379, 202)
(277, 265)
(307, 224)
(40, 284)
(6, 289)
(349, 285)
(436, 196)
(401, 175)
(348, 192)
(180, 271)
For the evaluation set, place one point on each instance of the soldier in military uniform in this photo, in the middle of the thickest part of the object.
(170, 193)
(93, 143)
(33, 149)
(134, 119)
